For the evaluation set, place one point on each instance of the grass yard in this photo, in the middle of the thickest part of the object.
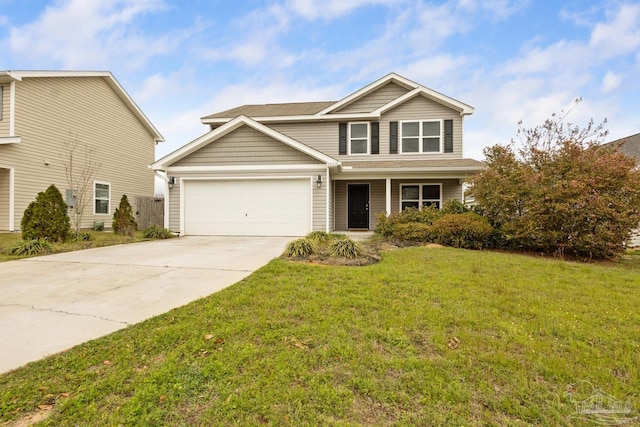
(101, 238)
(428, 336)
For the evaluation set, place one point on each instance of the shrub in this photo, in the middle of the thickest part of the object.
(30, 247)
(299, 248)
(318, 237)
(123, 221)
(81, 236)
(463, 230)
(46, 217)
(412, 232)
(453, 206)
(346, 248)
(386, 224)
(157, 232)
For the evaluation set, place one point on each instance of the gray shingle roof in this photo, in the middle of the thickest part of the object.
(273, 110)
(629, 145)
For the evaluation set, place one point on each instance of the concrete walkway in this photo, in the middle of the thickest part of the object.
(51, 303)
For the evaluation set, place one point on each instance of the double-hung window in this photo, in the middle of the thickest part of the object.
(359, 138)
(419, 195)
(102, 198)
(421, 136)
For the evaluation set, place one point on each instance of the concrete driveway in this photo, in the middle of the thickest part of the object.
(51, 303)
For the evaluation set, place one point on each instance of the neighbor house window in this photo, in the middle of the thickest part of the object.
(102, 197)
(419, 195)
(358, 138)
(421, 136)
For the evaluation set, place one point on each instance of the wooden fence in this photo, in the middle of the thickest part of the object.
(149, 211)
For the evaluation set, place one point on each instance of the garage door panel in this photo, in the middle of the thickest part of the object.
(278, 207)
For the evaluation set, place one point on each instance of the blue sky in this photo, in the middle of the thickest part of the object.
(180, 60)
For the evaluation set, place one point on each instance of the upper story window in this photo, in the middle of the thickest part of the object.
(102, 198)
(358, 138)
(421, 136)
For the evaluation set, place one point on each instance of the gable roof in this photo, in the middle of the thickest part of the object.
(319, 111)
(629, 145)
(229, 127)
(8, 76)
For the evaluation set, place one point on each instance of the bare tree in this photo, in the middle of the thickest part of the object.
(80, 169)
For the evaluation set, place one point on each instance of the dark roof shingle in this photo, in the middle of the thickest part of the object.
(273, 110)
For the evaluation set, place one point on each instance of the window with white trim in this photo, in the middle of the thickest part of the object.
(419, 195)
(102, 198)
(421, 136)
(358, 138)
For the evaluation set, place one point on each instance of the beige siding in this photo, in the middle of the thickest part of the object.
(4, 111)
(245, 146)
(52, 110)
(324, 136)
(4, 199)
(375, 100)
(319, 194)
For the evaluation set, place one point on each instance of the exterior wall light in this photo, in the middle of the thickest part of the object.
(171, 181)
(319, 181)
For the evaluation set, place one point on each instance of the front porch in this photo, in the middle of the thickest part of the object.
(357, 202)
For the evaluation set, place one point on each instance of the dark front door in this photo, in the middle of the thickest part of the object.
(358, 196)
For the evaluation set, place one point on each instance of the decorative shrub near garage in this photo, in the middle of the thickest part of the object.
(30, 247)
(46, 217)
(299, 248)
(157, 232)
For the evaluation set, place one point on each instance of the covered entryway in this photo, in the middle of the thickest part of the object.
(247, 207)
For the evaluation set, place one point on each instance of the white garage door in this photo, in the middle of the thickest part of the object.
(260, 207)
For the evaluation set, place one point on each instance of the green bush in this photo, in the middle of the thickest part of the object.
(30, 247)
(453, 206)
(386, 224)
(318, 237)
(346, 248)
(157, 232)
(46, 217)
(463, 230)
(413, 232)
(123, 221)
(81, 236)
(299, 248)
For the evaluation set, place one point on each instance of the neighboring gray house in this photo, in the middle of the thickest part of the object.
(631, 147)
(288, 169)
(39, 110)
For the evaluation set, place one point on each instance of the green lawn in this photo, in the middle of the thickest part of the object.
(429, 336)
(100, 238)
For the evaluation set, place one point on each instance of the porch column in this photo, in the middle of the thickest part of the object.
(388, 196)
(12, 199)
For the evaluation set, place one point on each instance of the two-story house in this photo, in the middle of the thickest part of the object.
(41, 110)
(288, 169)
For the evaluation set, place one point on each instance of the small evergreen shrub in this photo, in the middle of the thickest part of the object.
(30, 247)
(299, 248)
(386, 224)
(81, 236)
(346, 248)
(46, 217)
(156, 232)
(454, 206)
(463, 230)
(123, 220)
(413, 232)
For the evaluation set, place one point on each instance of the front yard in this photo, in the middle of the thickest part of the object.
(428, 336)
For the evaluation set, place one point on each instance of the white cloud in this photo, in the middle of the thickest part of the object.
(330, 9)
(498, 9)
(620, 35)
(611, 82)
(4, 21)
(82, 34)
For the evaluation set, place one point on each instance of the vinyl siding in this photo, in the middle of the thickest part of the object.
(324, 136)
(245, 146)
(375, 100)
(4, 107)
(52, 110)
(319, 194)
(4, 199)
